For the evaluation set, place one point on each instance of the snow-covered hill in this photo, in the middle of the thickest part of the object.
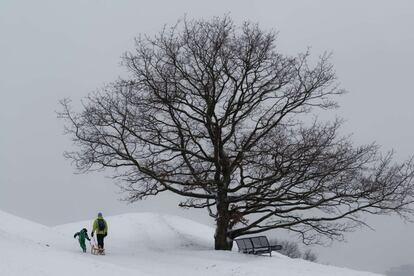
(137, 244)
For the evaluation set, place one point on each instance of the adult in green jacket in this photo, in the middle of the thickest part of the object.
(100, 226)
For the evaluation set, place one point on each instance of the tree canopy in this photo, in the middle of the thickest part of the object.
(213, 112)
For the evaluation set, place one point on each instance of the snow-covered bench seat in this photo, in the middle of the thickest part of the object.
(256, 245)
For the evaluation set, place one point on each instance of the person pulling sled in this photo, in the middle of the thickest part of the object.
(100, 226)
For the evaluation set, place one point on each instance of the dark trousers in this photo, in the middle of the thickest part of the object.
(100, 238)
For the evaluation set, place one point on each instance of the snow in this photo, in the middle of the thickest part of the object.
(138, 244)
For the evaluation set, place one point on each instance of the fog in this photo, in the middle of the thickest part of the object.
(50, 50)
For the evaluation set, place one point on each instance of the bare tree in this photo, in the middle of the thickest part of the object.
(214, 113)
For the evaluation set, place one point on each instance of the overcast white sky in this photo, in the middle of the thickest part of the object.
(54, 49)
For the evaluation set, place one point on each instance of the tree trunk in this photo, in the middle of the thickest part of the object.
(222, 240)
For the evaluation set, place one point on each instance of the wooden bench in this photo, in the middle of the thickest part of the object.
(256, 245)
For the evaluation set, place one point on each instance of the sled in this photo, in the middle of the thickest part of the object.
(96, 250)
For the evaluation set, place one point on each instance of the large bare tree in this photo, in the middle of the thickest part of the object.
(214, 113)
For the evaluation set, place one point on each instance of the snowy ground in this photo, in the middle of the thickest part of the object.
(137, 244)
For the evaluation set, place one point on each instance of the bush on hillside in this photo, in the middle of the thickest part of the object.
(292, 250)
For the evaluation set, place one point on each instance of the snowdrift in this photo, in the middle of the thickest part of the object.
(28, 248)
(138, 244)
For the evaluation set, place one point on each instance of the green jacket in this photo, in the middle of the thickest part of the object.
(82, 234)
(95, 227)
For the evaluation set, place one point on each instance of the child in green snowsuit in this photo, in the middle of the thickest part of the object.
(83, 234)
